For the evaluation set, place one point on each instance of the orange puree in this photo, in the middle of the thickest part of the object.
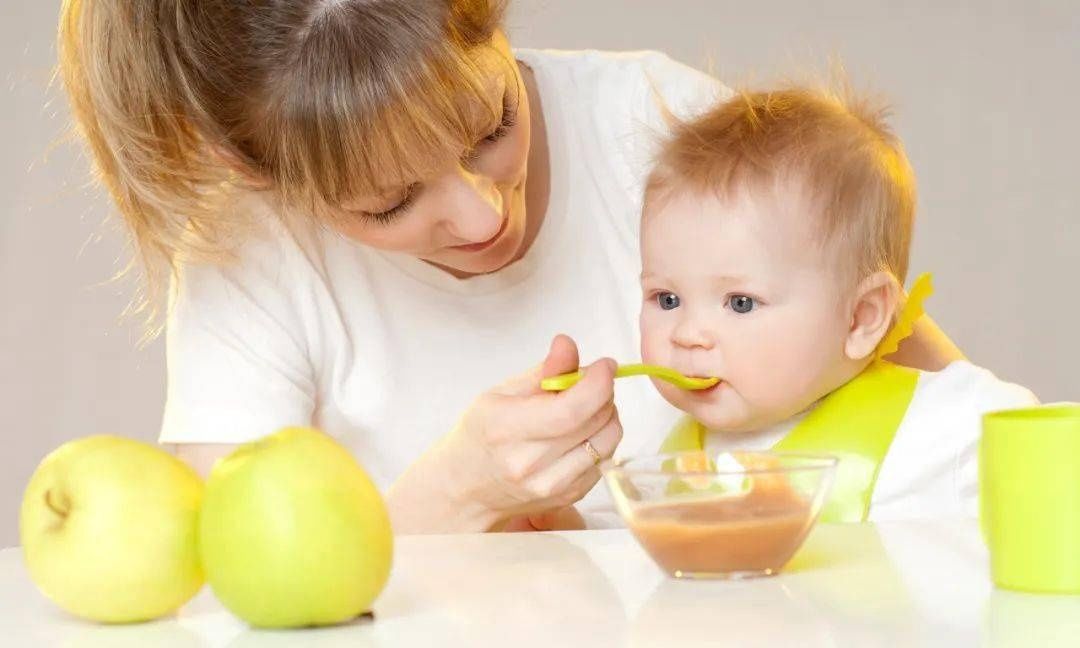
(755, 532)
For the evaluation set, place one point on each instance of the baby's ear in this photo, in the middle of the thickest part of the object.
(872, 312)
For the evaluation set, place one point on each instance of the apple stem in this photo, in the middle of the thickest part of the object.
(61, 508)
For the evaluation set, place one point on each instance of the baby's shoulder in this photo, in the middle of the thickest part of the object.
(945, 414)
(965, 388)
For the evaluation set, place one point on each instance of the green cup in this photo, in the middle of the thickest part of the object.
(1029, 497)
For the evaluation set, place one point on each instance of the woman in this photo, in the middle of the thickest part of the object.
(372, 210)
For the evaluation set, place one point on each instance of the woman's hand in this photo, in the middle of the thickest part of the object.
(517, 451)
(566, 518)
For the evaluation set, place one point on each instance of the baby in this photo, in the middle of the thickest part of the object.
(774, 242)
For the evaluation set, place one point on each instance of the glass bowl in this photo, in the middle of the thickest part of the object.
(720, 515)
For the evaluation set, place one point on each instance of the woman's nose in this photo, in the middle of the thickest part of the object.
(476, 214)
(693, 332)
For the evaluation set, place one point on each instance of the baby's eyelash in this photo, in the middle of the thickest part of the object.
(653, 294)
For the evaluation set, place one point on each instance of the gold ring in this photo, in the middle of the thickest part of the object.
(596, 458)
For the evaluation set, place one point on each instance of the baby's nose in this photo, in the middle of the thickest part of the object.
(693, 333)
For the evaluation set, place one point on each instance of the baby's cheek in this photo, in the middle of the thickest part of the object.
(799, 366)
(652, 348)
(648, 355)
(778, 372)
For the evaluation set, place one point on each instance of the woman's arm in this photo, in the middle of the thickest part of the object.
(236, 353)
(927, 348)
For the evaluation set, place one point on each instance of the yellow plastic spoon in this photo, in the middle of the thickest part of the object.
(566, 381)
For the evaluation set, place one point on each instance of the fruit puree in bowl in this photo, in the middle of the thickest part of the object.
(727, 515)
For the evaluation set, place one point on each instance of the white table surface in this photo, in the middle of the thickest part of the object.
(910, 584)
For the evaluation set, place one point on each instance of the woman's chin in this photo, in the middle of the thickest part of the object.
(501, 254)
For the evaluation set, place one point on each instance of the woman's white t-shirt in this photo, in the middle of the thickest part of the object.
(384, 351)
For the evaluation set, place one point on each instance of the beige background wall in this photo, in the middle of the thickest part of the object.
(986, 94)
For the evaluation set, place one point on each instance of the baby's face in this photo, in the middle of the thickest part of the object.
(740, 290)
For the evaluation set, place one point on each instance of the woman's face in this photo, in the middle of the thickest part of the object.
(468, 218)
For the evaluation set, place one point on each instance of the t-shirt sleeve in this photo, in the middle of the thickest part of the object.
(661, 87)
(236, 359)
(683, 90)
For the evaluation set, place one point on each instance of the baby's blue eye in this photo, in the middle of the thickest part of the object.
(741, 303)
(667, 301)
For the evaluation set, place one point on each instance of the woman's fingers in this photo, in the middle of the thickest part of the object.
(562, 357)
(527, 465)
(557, 446)
(545, 416)
(533, 440)
(564, 518)
(578, 488)
(557, 479)
(569, 412)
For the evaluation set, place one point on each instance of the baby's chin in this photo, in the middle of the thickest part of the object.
(730, 417)
(721, 410)
(729, 422)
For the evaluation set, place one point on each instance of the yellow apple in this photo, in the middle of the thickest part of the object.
(108, 527)
(294, 533)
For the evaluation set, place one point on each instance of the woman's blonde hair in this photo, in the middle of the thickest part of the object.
(182, 102)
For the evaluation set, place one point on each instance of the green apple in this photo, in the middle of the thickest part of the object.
(109, 526)
(294, 533)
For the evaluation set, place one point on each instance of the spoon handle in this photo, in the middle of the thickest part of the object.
(568, 380)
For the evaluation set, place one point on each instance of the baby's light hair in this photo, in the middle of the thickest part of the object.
(831, 145)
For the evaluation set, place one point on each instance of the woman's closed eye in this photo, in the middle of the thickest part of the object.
(506, 123)
(386, 216)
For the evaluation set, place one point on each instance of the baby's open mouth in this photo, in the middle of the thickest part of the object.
(705, 390)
